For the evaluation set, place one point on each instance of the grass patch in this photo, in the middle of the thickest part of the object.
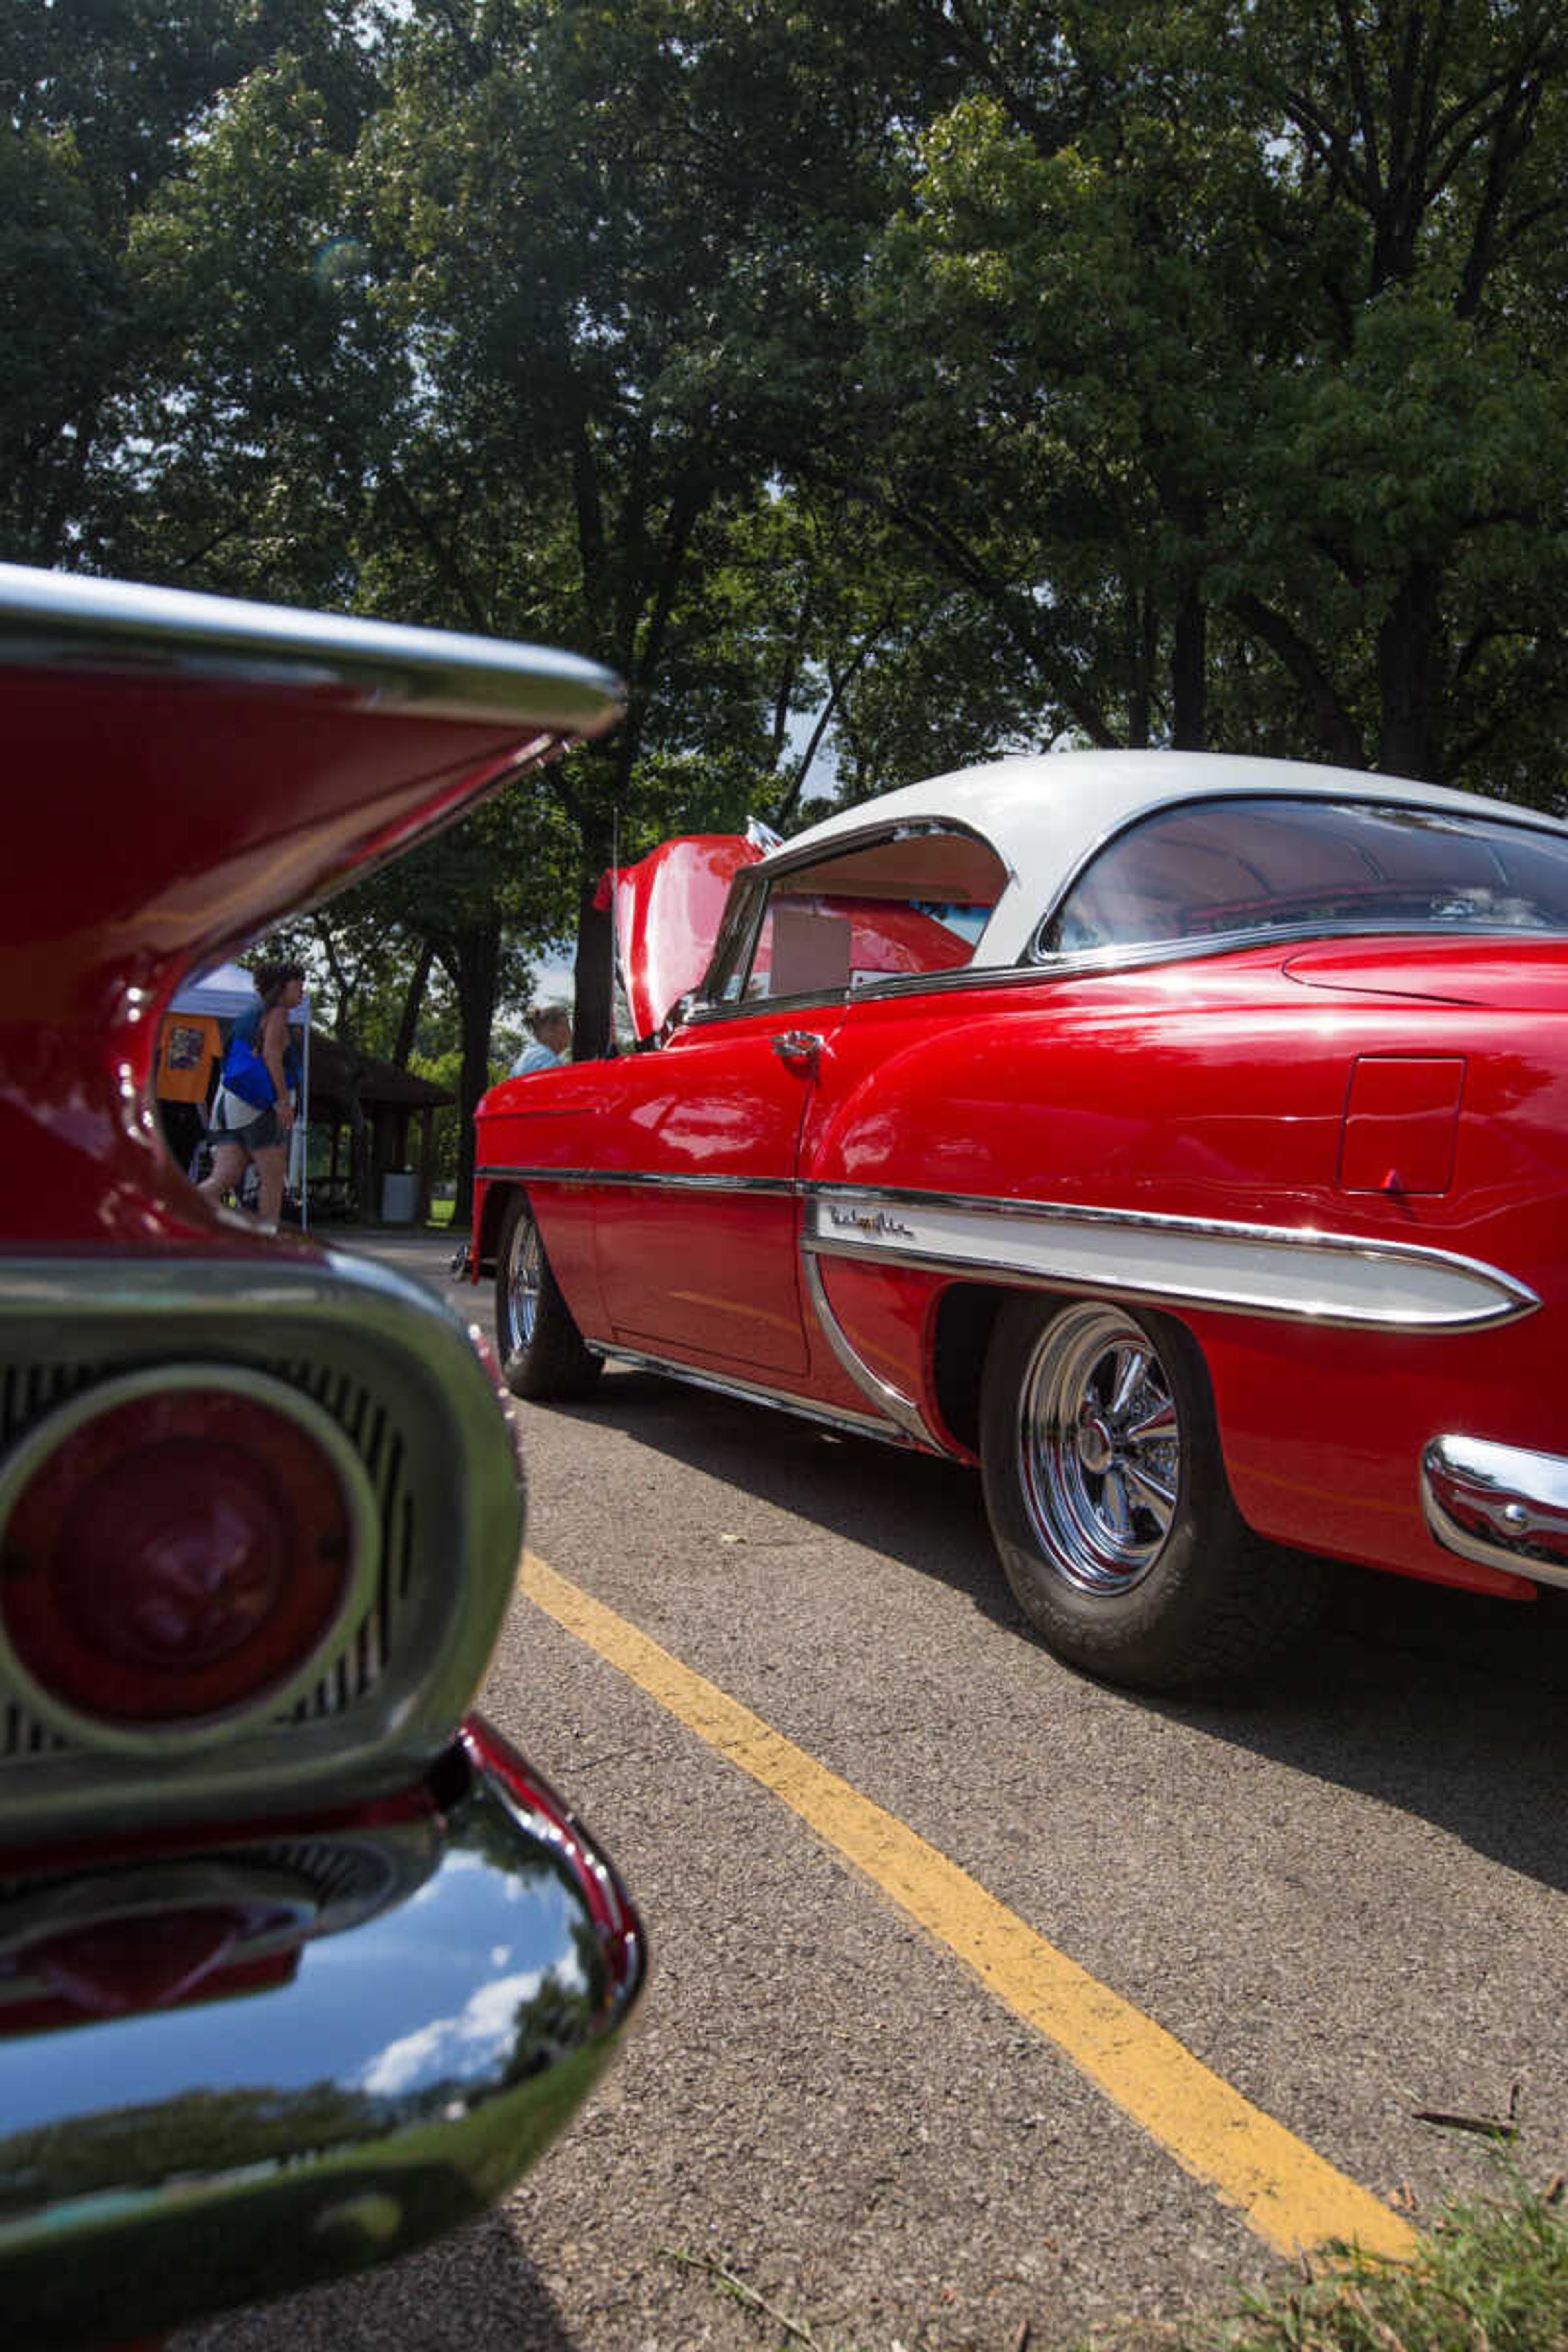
(1492, 2275)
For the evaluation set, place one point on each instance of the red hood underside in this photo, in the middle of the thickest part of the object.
(668, 910)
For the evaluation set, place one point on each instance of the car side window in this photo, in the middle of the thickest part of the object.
(912, 902)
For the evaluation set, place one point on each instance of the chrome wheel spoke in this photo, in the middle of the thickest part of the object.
(1132, 1367)
(525, 1285)
(1151, 1491)
(1160, 1421)
(1100, 1447)
(1114, 1506)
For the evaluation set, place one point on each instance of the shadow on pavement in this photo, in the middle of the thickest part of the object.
(473, 2292)
(1447, 1705)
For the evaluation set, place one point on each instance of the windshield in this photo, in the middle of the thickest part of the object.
(1214, 868)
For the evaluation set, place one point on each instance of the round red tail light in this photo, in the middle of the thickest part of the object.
(181, 1547)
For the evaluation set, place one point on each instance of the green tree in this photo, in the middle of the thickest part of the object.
(100, 103)
(620, 240)
(1243, 327)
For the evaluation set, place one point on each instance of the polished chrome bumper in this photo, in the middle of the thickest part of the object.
(414, 1999)
(1500, 1503)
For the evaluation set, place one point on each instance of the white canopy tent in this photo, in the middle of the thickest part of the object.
(222, 993)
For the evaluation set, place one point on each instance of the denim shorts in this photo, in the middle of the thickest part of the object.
(254, 1135)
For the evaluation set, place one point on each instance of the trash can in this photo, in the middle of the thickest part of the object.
(399, 1196)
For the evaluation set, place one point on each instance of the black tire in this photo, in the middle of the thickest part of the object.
(1110, 1504)
(541, 1348)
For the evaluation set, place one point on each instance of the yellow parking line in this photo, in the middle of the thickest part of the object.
(1290, 2197)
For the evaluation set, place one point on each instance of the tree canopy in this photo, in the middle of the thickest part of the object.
(875, 387)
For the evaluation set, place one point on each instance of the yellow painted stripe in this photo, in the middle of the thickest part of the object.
(1289, 2195)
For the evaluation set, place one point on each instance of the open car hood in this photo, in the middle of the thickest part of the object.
(667, 908)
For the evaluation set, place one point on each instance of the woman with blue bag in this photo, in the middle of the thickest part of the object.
(252, 1112)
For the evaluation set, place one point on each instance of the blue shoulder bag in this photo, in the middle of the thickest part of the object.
(244, 1073)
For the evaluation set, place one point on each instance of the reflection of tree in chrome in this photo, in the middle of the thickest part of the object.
(512, 2030)
(543, 1996)
(198, 2132)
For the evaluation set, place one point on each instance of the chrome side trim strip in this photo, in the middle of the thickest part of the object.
(882, 1395)
(757, 1392)
(621, 1180)
(1333, 1278)
(1338, 1279)
(1502, 1505)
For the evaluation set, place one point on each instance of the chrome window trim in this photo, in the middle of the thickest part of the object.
(1088, 963)
(785, 861)
(763, 1008)
(778, 867)
(1036, 955)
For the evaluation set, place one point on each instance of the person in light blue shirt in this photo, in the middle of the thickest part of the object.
(552, 1027)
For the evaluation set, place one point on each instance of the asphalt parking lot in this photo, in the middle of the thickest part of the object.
(1344, 1901)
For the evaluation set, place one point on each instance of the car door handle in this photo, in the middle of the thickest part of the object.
(798, 1050)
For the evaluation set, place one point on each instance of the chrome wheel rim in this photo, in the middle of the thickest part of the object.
(523, 1275)
(1101, 1449)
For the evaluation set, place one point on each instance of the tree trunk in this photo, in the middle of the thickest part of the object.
(1142, 633)
(413, 1005)
(1407, 651)
(593, 1025)
(1189, 675)
(472, 960)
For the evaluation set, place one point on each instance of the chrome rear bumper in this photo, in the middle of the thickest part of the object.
(413, 2001)
(1502, 1505)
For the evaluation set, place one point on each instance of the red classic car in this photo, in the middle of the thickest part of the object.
(1182, 1139)
(299, 1961)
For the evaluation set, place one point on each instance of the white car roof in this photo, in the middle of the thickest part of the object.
(1044, 816)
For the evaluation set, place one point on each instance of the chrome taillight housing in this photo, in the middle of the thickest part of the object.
(259, 1526)
(182, 1549)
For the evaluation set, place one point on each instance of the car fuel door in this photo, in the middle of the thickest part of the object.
(698, 1233)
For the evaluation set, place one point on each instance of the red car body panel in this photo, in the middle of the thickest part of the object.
(1390, 1107)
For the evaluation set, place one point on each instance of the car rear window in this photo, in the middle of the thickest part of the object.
(1218, 868)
